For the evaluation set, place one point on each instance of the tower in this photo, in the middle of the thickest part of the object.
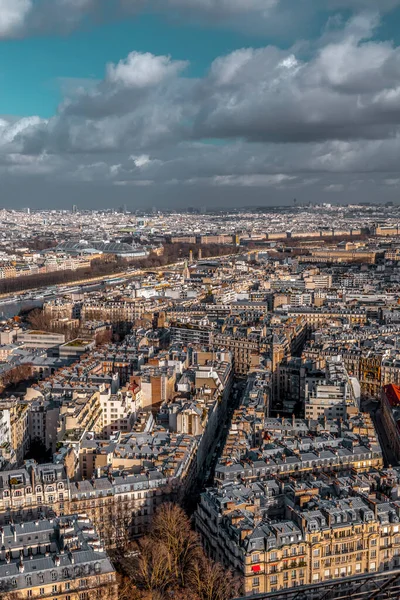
(186, 272)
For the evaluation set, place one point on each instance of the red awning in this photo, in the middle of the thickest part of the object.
(256, 568)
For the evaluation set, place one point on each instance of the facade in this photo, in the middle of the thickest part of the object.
(335, 396)
(390, 411)
(62, 558)
(315, 538)
(40, 339)
(16, 421)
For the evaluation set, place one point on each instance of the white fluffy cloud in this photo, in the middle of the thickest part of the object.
(143, 70)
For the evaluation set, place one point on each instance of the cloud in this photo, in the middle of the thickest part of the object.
(13, 14)
(256, 179)
(285, 18)
(335, 188)
(143, 70)
(260, 118)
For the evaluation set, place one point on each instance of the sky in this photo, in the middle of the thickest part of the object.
(218, 103)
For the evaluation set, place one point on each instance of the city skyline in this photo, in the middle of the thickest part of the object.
(192, 103)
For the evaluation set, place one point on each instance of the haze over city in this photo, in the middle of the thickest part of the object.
(227, 102)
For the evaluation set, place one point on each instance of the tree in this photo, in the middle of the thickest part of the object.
(213, 582)
(104, 337)
(17, 374)
(172, 526)
(171, 563)
(37, 319)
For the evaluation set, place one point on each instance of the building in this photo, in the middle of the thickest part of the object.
(390, 411)
(278, 535)
(62, 558)
(15, 416)
(335, 396)
(40, 339)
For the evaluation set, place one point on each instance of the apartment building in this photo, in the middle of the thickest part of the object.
(278, 536)
(16, 420)
(334, 396)
(7, 454)
(32, 491)
(62, 558)
(390, 411)
(79, 414)
(120, 410)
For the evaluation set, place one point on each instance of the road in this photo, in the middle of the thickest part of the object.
(129, 274)
(373, 408)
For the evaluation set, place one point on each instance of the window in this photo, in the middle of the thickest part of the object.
(255, 558)
(41, 591)
(54, 589)
(256, 581)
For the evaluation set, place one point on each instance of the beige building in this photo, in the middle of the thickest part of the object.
(78, 415)
(35, 563)
(16, 414)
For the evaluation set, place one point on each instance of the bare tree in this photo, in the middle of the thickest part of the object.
(172, 563)
(16, 375)
(154, 570)
(214, 582)
(37, 319)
